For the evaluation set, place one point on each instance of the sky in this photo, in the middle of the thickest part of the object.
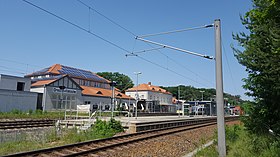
(105, 32)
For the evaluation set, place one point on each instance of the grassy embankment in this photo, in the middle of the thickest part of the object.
(39, 114)
(101, 129)
(242, 143)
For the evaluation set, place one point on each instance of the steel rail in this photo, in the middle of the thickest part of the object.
(95, 146)
(18, 124)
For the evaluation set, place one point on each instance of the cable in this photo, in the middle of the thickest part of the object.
(11, 61)
(12, 71)
(229, 68)
(133, 54)
(89, 26)
(177, 49)
(170, 70)
(176, 31)
(107, 18)
(27, 66)
(184, 67)
(11, 68)
(119, 47)
(153, 49)
(75, 25)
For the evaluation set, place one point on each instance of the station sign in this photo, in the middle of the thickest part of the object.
(69, 91)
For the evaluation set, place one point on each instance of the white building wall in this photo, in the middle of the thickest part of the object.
(37, 90)
(20, 100)
(105, 100)
(163, 98)
(10, 82)
(49, 92)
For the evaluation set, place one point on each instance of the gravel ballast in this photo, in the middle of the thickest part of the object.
(174, 145)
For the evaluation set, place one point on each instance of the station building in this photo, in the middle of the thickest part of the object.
(208, 108)
(15, 94)
(152, 98)
(62, 87)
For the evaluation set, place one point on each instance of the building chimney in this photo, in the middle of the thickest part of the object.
(149, 83)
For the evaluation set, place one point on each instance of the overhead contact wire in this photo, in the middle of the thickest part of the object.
(119, 47)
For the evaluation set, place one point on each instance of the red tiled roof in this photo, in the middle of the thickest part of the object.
(57, 69)
(42, 82)
(93, 91)
(54, 69)
(148, 87)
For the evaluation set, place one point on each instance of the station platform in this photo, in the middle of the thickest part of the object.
(132, 124)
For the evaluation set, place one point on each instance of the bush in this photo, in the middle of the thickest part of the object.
(241, 142)
(16, 111)
(116, 125)
(232, 133)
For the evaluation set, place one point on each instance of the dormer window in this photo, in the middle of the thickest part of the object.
(99, 92)
(119, 95)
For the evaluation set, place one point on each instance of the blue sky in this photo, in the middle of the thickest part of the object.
(32, 39)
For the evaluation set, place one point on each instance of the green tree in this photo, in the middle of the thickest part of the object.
(190, 93)
(261, 57)
(123, 81)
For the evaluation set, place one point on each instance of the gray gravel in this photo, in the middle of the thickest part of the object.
(175, 145)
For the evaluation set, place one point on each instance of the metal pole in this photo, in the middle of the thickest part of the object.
(183, 110)
(137, 96)
(61, 99)
(65, 108)
(219, 90)
(128, 107)
(100, 105)
(178, 100)
(210, 108)
(202, 91)
(113, 101)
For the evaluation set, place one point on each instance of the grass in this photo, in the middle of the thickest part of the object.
(208, 152)
(242, 143)
(39, 114)
(101, 129)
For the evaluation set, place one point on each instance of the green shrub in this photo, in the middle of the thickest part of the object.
(40, 112)
(242, 143)
(30, 111)
(210, 151)
(16, 111)
(116, 125)
(232, 133)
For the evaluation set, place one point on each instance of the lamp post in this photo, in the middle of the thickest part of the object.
(61, 100)
(202, 91)
(137, 96)
(113, 84)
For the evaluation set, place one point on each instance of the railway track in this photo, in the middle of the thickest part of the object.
(19, 124)
(99, 147)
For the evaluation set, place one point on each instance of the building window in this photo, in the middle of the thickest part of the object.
(20, 86)
(87, 102)
(58, 103)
